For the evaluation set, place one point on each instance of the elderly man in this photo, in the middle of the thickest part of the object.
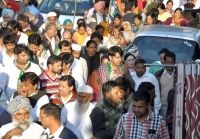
(75, 115)
(22, 126)
(50, 38)
(67, 35)
(7, 15)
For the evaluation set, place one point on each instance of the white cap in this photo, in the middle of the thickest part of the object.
(51, 14)
(86, 89)
(76, 47)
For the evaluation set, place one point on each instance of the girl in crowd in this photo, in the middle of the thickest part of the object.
(130, 61)
(127, 27)
(150, 19)
(137, 19)
(169, 7)
(163, 15)
(80, 36)
(116, 22)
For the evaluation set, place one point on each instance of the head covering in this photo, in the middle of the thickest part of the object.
(86, 89)
(104, 24)
(15, 7)
(51, 14)
(67, 21)
(126, 36)
(19, 102)
(99, 5)
(128, 25)
(8, 12)
(33, 10)
(76, 47)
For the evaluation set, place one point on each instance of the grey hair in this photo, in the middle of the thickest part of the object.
(49, 26)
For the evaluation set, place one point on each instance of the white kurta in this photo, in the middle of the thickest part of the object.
(5, 59)
(23, 39)
(33, 132)
(77, 67)
(75, 121)
(9, 77)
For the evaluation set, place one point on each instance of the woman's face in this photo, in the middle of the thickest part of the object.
(136, 21)
(130, 61)
(169, 6)
(121, 40)
(116, 33)
(161, 11)
(81, 30)
(68, 26)
(117, 21)
(122, 6)
(149, 20)
(178, 14)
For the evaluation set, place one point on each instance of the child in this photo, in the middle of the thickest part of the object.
(7, 57)
(80, 36)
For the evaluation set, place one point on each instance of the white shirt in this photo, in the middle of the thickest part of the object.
(9, 77)
(77, 67)
(33, 132)
(23, 39)
(75, 121)
(148, 77)
(167, 73)
(5, 59)
(99, 18)
(53, 45)
(85, 68)
(56, 134)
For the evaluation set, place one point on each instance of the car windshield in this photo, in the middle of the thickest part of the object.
(150, 47)
(65, 6)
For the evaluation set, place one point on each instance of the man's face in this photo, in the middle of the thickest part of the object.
(67, 36)
(140, 108)
(10, 47)
(84, 97)
(162, 58)
(44, 119)
(92, 49)
(169, 61)
(34, 48)
(97, 40)
(52, 32)
(68, 26)
(65, 49)
(76, 54)
(52, 19)
(22, 58)
(116, 60)
(114, 95)
(101, 31)
(6, 18)
(140, 69)
(23, 24)
(56, 67)
(14, 31)
(152, 94)
(64, 89)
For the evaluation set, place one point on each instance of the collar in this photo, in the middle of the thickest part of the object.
(165, 71)
(144, 75)
(56, 134)
(108, 104)
(48, 37)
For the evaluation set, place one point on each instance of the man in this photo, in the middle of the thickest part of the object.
(21, 38)
(68, 60)
(50, 119)
(49, 78)
(50, 38)
(76, 53)
(27, 28)
(77, 113)
(4, 117)
(7, 15)
(67, 35)
(64, 46)
(140, 122)
(140, 75)
(166, 79)
(154, 69)
(129, 14)
(10, 75)
(33, 13)
(126, 91)
(107, 112)
(22, 126)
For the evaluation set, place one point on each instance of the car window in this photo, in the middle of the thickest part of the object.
(150, 47)
(65, 6)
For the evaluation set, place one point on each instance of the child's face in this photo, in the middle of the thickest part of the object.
(117, 21)
(10, 47)
(116, 33)
(81, 30)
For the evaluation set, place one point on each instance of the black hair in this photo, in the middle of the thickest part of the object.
(57, 12)
(33, 2)
(178, 9)
(23, 17)
(169, 1)
(35, 39)
(189, 5)
(51, 109)
(14, 24)
(53, 59)
(96, 35)
(140, 61)
(67, 58)
(90, 42)
(80, 19)
(158, 22)
(20, 48)
(98, 27)
(104, 57)
(123, 1)
(9, 38)
(30, 76)
(108, 86)
(138, 16)
(112, 51)
(70, 81)
(117, 15)
(135, 4)
(128, 6)
(127, 55)
(171, 55)
(81, 25)
(123, 83)
(193, 14)
(63, 43)
(164, 50)
(4, 31)
(155, 12)
(161, 6)
(141, 95)
(146, 86)
(119, 28)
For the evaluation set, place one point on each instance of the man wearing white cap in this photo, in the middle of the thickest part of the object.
(22, 126)
(75, 115)
(76, 53)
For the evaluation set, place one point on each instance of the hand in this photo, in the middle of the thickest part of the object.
(39, 52)
(22, 91)
(124, 68)
(85, 12)
(169, 119)
(15, 132)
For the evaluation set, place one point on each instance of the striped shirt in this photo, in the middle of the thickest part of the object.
(51, 86)
(154, 127)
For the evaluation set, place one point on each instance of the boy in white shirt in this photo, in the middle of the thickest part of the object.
(7, 57)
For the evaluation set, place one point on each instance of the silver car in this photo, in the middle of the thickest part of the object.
(183, 41)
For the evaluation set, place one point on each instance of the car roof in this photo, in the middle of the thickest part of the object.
(171, 32)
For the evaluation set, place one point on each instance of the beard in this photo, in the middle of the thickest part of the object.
(32, 19)
(81, 108)
(100, 13)
(25, 126)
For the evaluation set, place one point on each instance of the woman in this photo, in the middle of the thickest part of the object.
(67, 25)
(130, 60)
(163, 15)
(194, 21)
(137, 19)
(127, 27)
(150, 19)
(125, 43)
(169, 7)
(117, 22)
(176, 19)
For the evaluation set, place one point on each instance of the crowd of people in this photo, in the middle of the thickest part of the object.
(88, 82)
